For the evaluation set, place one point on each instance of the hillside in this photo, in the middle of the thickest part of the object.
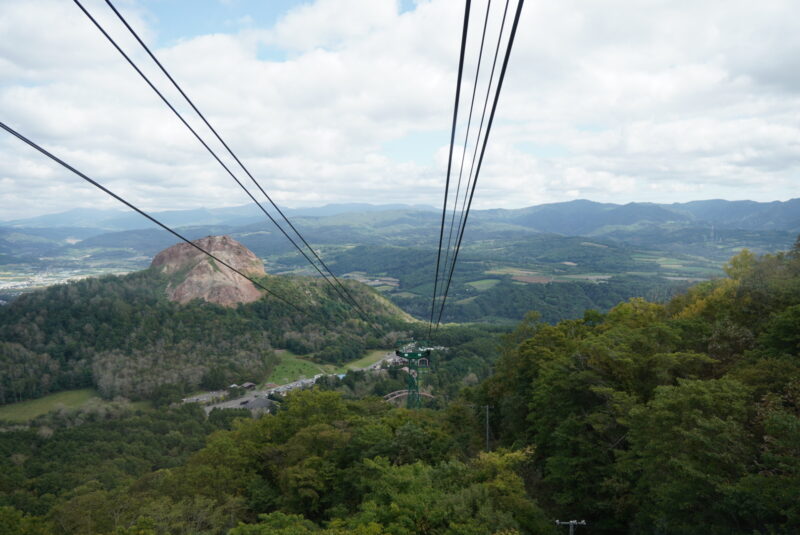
(151, 331)
(678, 415)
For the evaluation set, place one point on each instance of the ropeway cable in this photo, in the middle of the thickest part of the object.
(211, 151)
(230, 151)
(478, 138)
(145, 214)
(450, 157)
(466, 133)
(483, 150)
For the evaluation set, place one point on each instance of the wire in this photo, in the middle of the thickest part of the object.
(477, 140)
(148, 216)
(483, 148)
(214, 131)
(450, 157)
(211, 151)
(466, 133)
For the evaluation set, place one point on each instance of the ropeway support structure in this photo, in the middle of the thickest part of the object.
(413, 353)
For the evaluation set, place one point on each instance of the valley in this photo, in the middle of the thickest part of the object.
(391, 249)
(540, 300)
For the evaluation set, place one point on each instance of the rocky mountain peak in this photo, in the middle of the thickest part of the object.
(200, 277)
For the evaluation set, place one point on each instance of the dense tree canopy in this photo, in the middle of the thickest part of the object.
(121, 335)
(668, 417)
(651, 418)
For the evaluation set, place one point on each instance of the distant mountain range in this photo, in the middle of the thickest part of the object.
(573, 218)
(584, 217)
(597, 253)
(116, 220)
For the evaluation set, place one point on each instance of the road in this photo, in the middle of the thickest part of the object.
(207, 397)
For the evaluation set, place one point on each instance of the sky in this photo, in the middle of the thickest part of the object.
(334, 101)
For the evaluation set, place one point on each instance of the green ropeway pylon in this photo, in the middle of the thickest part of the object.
(413, 353)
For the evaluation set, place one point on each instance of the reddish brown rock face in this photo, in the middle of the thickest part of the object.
(207, 279)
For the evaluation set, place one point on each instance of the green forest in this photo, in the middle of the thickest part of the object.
(677, 418)
(121, 335)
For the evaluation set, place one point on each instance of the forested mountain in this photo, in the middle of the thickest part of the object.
(652, 418)
(579, 217)
(123, 335)
(663, 418)
(404, 225)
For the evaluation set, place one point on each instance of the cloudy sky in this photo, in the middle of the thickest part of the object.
(333, 101)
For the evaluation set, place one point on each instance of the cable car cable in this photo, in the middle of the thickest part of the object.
(211, 151)
(145, 214)
(466, 139)
(483, 149)
(450, 158)
(230, 151)
(480, 129)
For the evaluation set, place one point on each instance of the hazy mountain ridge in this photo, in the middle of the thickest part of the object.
(572, 217)
(117, 220)
(526, 248)
(583, 217)
(391, 224)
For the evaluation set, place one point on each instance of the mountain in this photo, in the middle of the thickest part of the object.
(573, 218)
(119, 220)
(77, 217)
(347, 208)
(582, 217)
(599, 253)
(746, 215)
(201, 277)
(185, 322)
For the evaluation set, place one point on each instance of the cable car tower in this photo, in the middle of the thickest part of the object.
(417, 356)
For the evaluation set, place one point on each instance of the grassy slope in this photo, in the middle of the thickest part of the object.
(27, 410)
(293, 367)
(372, 356)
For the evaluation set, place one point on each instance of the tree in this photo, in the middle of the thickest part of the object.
(689, 446)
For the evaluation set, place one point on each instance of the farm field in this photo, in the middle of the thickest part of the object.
(483, 284)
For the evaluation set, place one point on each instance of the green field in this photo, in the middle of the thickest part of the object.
(28, 410)
(372, 356)
(292, 368)
(384, 288)
(484, 284)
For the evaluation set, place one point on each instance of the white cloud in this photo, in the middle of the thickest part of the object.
(610, 100)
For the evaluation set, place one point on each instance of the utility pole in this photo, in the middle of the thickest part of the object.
(571, 524)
